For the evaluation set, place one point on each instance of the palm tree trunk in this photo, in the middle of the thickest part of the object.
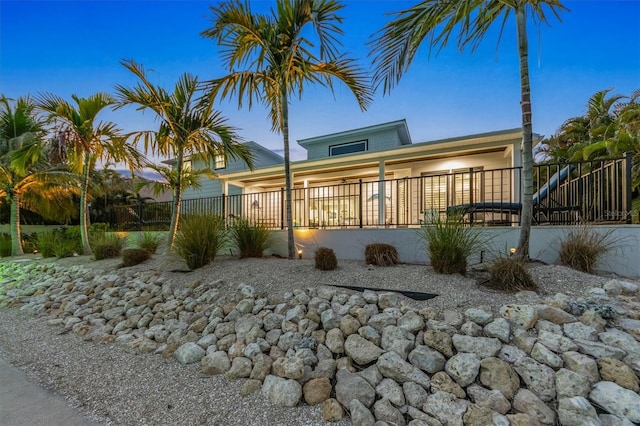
(287, 173)
(527, 134)
(176, 202)
(84, 211)
(16, 237)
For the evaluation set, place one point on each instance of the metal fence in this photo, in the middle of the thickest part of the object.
(592, 191)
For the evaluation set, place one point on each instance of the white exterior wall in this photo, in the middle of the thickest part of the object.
(623, 260)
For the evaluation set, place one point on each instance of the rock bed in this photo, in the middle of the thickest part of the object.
(370, 356)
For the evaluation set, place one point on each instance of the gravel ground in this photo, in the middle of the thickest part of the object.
(117, 385)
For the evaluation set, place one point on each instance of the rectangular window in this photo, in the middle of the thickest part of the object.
(348, 148)
(219, 162)
(442, 189)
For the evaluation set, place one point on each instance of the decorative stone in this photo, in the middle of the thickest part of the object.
(240, 368)
(493, 399)
(398, 340)
(527, 402)
(479, 316)
(539, 378)
(556, 342)
(427, 359)
(577, 411)
(599, 350)
(570, 384)
(522, 315)
(360, 350)
(189, 353)
(332, 411)
(351, 386)
(446, 408)
(616, 400)
(578, 330)
(484, 347)
(581, 364)
(499, 375)
(411, 322)
(360, 414)
(415, 394)
(390, 390)
(616, 371)
(440, 341)
(281, 391)
(386, 412)
(290, 367)
(472, 329)
(316, 391)
(463, 368)
(442, 382)
(215, 363)
(261, 367)
(542, 354)
(498, 328)
(392, 366)
(478, 415)
(621, 340)
(335, 341)
(555, 315)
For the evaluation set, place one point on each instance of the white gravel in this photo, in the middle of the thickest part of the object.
(116, 385)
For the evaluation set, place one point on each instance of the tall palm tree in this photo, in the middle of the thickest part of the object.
(279, 60)
(26, 178)
(397, 43)
(84, 141)
(188, 127)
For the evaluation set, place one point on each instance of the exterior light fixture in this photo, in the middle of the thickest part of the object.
(299, 253)
(512, 250)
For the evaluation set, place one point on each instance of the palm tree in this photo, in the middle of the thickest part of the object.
(279, 60)
(188, 127)
(397, 43)
(84, 140)
(26, 178)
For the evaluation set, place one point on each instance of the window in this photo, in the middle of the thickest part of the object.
(348, 148)
(444, 189)
(219, 162)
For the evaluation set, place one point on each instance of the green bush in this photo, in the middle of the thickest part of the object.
(325, 259)
(134, 256)
(583, 247)
(150, 241)
(450, 243)
(60, 242)
(47, 243)
(106, 246)
(380, 254)
(199, 238)
(251, 240)
(98, 227)
(5, 245)
(510, 274)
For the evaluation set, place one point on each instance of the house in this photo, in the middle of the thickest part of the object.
(370, 176)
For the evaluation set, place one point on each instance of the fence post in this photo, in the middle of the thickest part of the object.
(139, 216)
(282, 208)
(626, 187)
(360, 202)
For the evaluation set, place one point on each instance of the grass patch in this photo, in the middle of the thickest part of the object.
(134, 256)
(380, 254)
(325, 259)
(106, 246)
(251, 240)
(583, 247)
(510, 274)
(150, 241)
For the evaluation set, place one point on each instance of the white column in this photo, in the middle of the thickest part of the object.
(382, 199)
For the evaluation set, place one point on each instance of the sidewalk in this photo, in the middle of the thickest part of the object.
(23, 403)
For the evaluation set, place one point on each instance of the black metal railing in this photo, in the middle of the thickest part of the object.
(597, 191)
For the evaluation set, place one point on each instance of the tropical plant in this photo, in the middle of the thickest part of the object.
(82, 140)
(583, 247)
(199, 239)
(278, 60)
(150, 241)
(26, 178)
(107, 245)
(449, 243)
(510, 274)
(251, 240)
(397, 43)
(188, 127)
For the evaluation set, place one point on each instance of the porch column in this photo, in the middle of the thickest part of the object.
(517, 174)
(382, 199)
(225, 200)
(306, 206)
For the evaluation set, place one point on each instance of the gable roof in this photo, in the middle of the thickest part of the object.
(400, 126)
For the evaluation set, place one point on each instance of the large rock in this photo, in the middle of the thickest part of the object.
(189, 353)
(499, 375)
(360, 414)
(446, 408)
(522, 315)
(599, 349)
(351, 386)
(386, 412)
(556, 342)
(290, 367)
(415, 394)
(493, 399)
(397, 340)
(554, 315)
(335, 341)
(360, 350)
(440, 341)
(570, 384)
(578, 330)
(478, 415)
(332, 411)
(542, 354)
(427, 359)
(618, 372)
(479, 316)
(390, 390)
(527, 402)
(391, 365)
(539, 378)
(616, 400)
(411, 322)
(484, 347)
(577, 411)
(442, 382)
(240, 368)
(620, 339)
(498, 328)
(463, 368)
(281, 391)
(316, 391)
(581, 364)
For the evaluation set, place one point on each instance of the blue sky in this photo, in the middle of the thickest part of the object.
(68, 47)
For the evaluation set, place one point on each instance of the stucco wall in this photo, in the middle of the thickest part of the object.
(623, 260)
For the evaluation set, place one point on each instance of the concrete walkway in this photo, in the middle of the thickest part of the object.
(23, 403)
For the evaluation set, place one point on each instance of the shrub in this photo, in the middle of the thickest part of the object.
(106, 246)
(251, 240)
(29, 242)
(583, 247)
(450, 243)
(325, 259)
(199, 239)
(134, 256)
(47, 243)
(380, 254)
(59, 242)
(510, 274)
(5, 245)
(150, 241)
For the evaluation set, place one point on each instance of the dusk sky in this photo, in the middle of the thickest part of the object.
(67, 47)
